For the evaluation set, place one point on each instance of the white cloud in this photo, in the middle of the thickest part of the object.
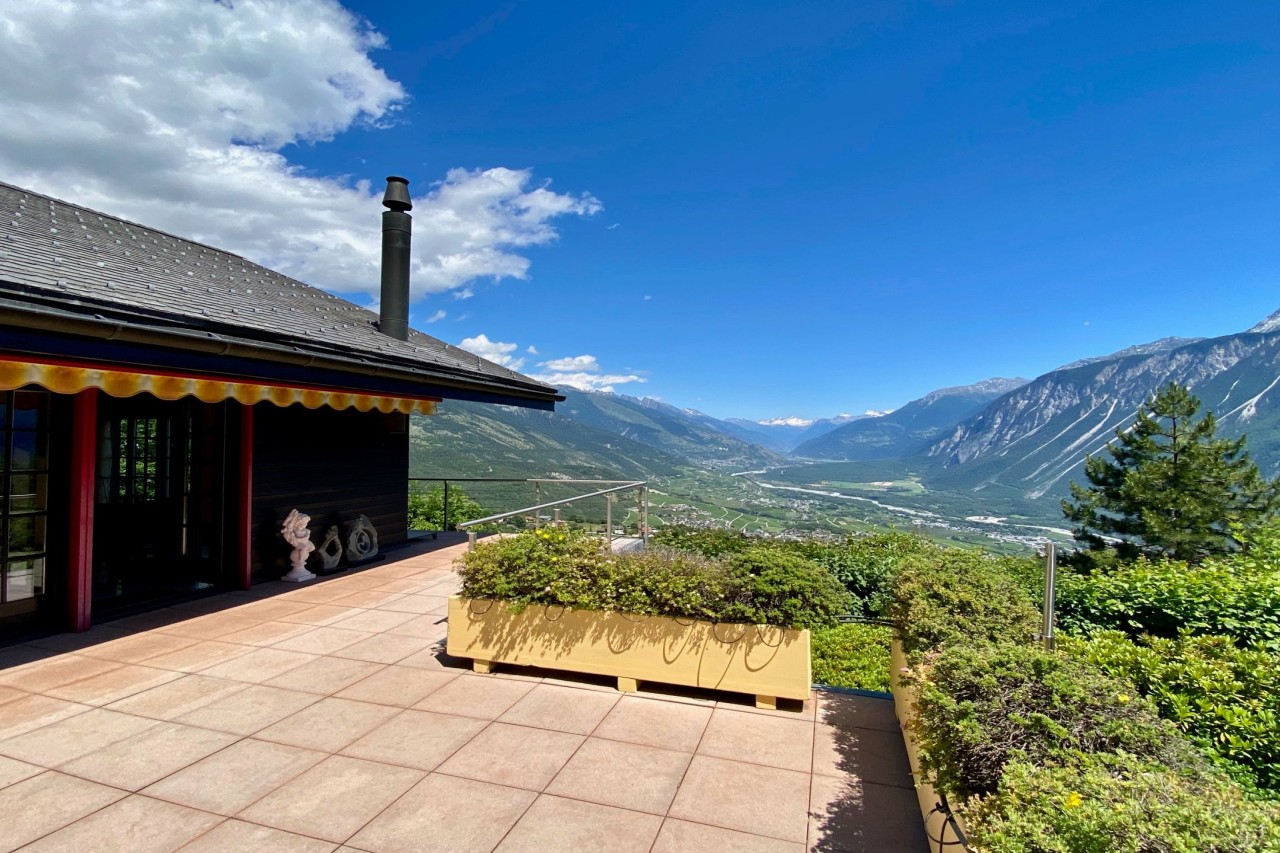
(176, 113)
(438, 316)
(587, 381)
(647, 297)
(495, 351)
(572, 364)
(531, 349)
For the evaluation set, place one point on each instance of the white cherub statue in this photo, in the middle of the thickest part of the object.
(297, 534)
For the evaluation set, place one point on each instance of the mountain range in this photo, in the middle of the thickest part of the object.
(1012, 440)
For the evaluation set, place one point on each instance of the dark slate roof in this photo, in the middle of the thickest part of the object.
(78, 257)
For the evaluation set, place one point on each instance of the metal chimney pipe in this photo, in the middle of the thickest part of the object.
(397, 232)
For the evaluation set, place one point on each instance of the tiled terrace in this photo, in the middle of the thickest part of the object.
(327, 717)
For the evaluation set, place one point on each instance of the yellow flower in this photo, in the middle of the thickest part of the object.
(1123, 698)
(1073, 800)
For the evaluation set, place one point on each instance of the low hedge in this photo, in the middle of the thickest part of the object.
(961, 596)
(855, 655)
(1226, 699)
(753, 586)
(1237, 596)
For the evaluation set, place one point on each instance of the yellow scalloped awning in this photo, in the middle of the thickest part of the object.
(71, 379)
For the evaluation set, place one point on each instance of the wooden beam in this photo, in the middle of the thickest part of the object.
(244, 501)
(84, 458)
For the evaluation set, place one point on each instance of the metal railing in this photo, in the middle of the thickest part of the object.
(541, 485)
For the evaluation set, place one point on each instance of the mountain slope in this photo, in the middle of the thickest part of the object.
(686, 433)
(1035, 439)
(785, 434)
(909, 427)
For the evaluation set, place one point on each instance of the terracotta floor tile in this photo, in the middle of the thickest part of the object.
(326, 675)
(513, 755)
(402, 686)
(373, 620)
(409, 586)
(320, 614)
(13, 771)
(259, 665)
(564, 709)
(46, 803)
(863, 817)
(788, 709)
(744, 797)
(73, 737)
(8, 694)
(444, 814)
(384, 648)
(759, 739)
(199, 656)
(552, 823)
(627, 775)
(43, 676)
(329, 724)
(137, 648)
(868, 754)
(136, 762)
(212, 627)
(115, 684)
(850, 710)
(31, 712)
(172, 700)
(322, 593)
(266, 633)
(429, 626)
(69, 642)
(323, 641)
(420, 604)
(476, 696)
(230, 781)
(133, 825)
(272, 609)
(416, 739)
(652, 722)
(249, 710)
(678, 836)
(236, 835)
(369, 598)
(334, 799)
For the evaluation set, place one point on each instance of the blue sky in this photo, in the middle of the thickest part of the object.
(815, 207)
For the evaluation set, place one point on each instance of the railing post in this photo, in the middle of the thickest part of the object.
(608, 518)
(1050, 579)
(537, 501)
(556, 516)
(444, 525)
(644, 514)
(471, 540)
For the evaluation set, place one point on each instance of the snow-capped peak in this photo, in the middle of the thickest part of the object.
(872, 413)
(791, 421)
(1270, 324)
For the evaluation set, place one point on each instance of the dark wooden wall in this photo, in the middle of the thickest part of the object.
(334, 466)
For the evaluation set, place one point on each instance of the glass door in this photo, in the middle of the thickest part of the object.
(24, 500)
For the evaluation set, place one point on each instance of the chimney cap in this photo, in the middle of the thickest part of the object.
(397, 195)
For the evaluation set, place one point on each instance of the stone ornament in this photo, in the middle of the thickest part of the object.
(362, 540)
(298, 535)
(330, 549)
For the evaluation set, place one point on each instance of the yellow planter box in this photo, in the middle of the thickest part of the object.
(768, 662)
(946, 833)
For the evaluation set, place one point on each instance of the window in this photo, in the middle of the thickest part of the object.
(24, 493)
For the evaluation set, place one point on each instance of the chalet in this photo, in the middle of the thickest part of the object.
(164, 405)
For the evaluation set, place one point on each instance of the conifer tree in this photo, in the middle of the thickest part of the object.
(1171, 488)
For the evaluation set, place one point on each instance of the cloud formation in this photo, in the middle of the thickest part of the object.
(578, 371)
(495, 351)
(175, 114)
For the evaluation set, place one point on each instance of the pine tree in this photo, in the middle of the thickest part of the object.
(1171, 487)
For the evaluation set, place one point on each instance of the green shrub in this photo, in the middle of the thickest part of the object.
(980, 706)
(1117, 804)
(866, 565)
(708, 543)
(853, 655)
(1235, 596)
(554, 566)
(1226, 699)
(959, 595)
